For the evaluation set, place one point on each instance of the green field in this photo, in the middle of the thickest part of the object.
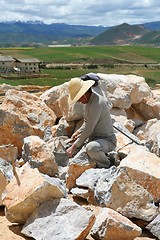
(101, 58)
(91, 54)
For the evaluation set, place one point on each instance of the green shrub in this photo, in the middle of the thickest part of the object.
(151, 82)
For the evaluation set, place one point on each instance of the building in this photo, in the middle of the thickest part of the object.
(9, 64)
(27, 65)
(6, 64)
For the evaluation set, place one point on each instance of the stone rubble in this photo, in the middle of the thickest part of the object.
(62, 219)
(57, 198)
(109, 222)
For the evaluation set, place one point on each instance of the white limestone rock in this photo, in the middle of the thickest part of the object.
(110, 224)
(154, 227)
(38, 154)
(20, 200)
(58, 220)
(143, 168)
(6, 174)
(125, 196)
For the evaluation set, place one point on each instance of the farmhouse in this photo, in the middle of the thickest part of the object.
(6, 64)
(27, 65)
(9, 64)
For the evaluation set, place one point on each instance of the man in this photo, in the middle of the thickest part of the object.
(97, 128)
(99, 86)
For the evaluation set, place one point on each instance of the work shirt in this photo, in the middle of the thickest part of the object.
(98, 122)
(100, 89)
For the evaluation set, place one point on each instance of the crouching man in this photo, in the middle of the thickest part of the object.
(97, 132)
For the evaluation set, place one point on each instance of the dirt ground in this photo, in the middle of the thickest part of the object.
(9, 231)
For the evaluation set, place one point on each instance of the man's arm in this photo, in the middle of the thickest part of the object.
(94, 111)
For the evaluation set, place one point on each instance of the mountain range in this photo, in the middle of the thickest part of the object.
(39, 34)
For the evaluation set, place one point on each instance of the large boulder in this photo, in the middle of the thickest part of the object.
(34, 188)
(143, 168)
(38, 154)
(111, 225)
(125, 90)
(22, 114)
(59, 220)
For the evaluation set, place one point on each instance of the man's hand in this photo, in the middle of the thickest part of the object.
(70, 151)
(75, 136)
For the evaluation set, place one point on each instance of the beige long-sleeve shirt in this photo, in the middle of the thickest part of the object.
(98, 122)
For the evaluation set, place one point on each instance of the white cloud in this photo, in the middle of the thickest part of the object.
(88, 12)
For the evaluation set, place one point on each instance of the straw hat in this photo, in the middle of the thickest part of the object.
(77, 88)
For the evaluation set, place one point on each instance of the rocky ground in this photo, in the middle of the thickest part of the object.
(9, 231)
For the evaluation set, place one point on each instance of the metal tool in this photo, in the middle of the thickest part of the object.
(125, 132)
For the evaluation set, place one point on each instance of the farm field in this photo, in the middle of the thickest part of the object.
(104, 59)
(133, 54)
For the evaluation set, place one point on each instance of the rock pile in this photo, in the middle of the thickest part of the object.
(41, 188)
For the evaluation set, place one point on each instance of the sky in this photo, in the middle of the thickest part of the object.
(81, 12)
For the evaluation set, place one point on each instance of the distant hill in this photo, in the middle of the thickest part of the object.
(152, 25)
(120, 35)
(37, 32)
(151, 38)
